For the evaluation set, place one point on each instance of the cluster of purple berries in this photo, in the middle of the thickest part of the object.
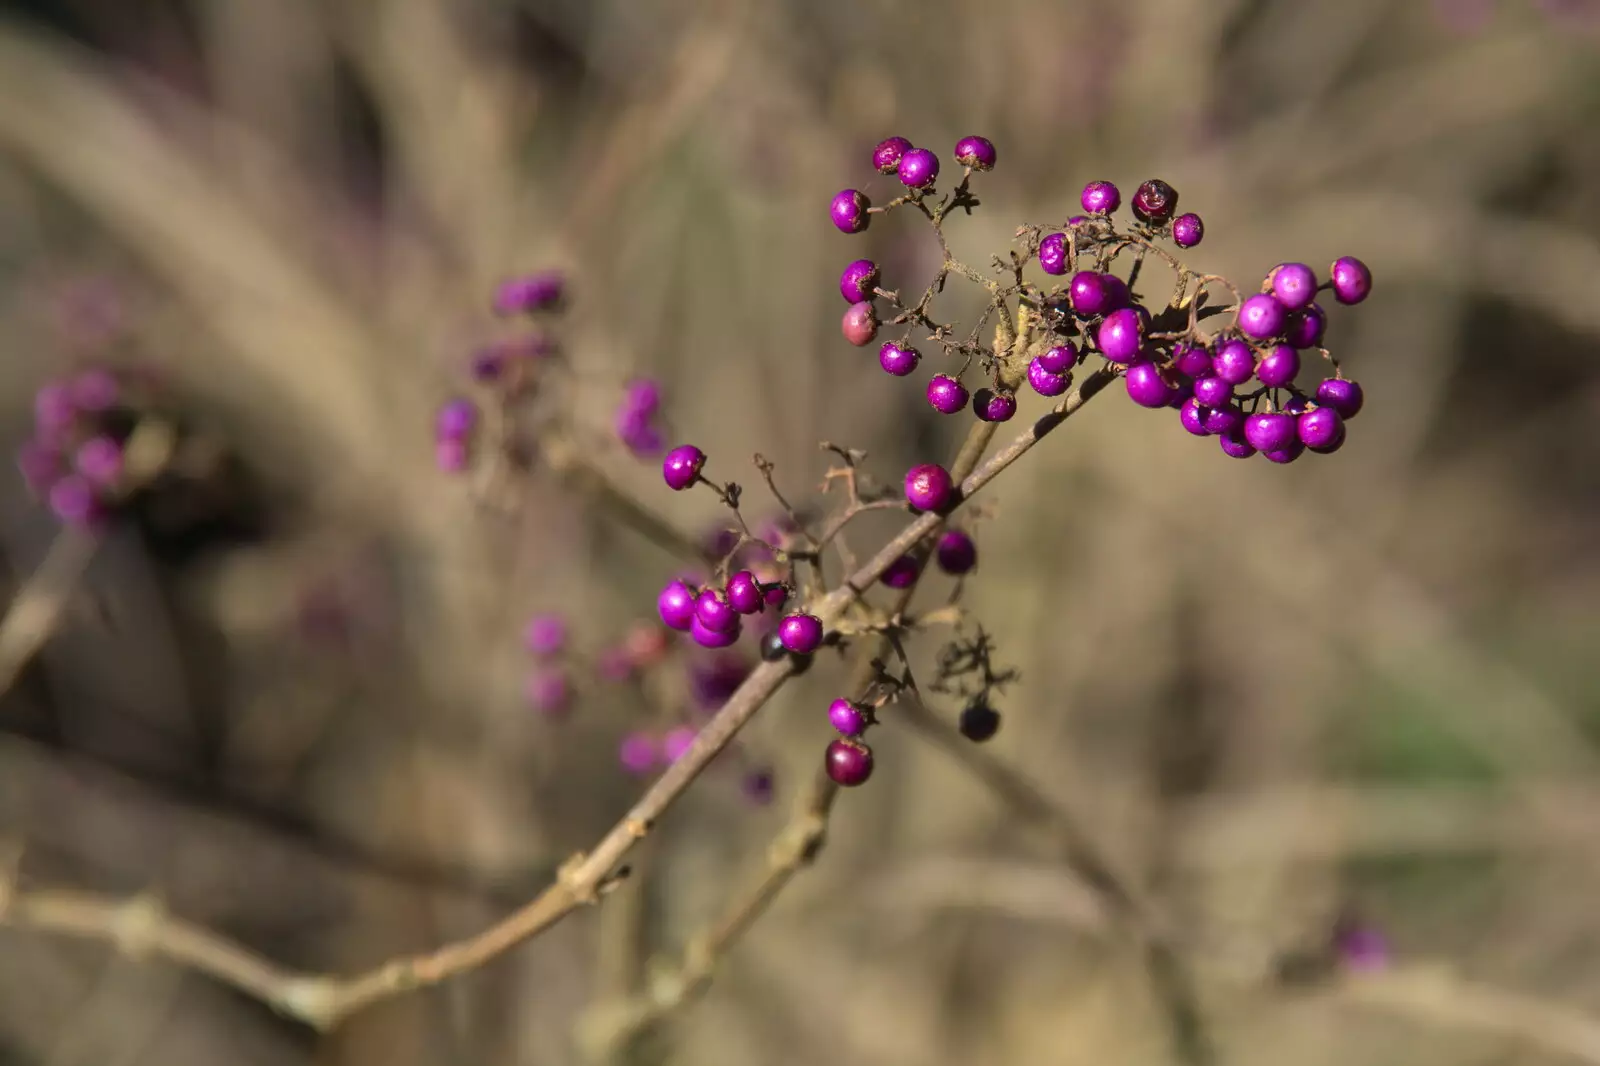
(638, 418)
(74, 458)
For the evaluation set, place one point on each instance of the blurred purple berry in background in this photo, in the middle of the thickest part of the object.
(545, 635)
(638, 752)
(549, 692)
(956, 552)
(99, 460)
(543, 291)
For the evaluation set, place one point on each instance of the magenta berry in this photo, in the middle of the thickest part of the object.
(1212, 391)
(99, 461)
(979, 721)
(681, 466)
(1053, 254)
(860, 324)
(1320, 427)
(1182, 388)
(744, 593)
(956, 552)
(1100, 198)
(1351, 279)
(1146, 387)
(639, 753)
(675, 605)
(1235, 446)
(1332, 446)
(918, 169)
(1341, 395)
(1187, 230)
(898, 359)
(1044, 382)
(946, 395)
(1225, 421)
(1234, 362)
(1120, 336)
(850, 719)
(1287, 454)
(849, 210)
(455, 420)
(714, 612)
(1279, 366)
(1058, 360)
(1193, 417)
(991, 405)
(858, 281)
(1191, 360)
(1261, 316)
(1089, 293)
(902, 573)
(1294, 284)
(886, 157)
(975, 152)
(1154, 202)
(545, 635)
(1269, 431)
(849, 762)
(1306, 327)
(801, 634)
(707, 637)
(929, 487)
(549, 692)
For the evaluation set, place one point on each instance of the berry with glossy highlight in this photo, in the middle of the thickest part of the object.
(859, 324)
(1351, 279)
(1187, 230)
(858, 281)
(744, 593)
(1261, 316)
(1044, 382)
(850, 719)
(1294, 284)
(675, 605)
(1279, 366)
(849, 210)
(898, 359)
(1053, 254)
(849, 762)
(886, 156)
(800, 633)
(1100, 198)
(929, 487)
(1120, 336)
(681, 466)
(991, 405)
(1154, 202)
(918, 169)
(975, 152)
(1343, 396)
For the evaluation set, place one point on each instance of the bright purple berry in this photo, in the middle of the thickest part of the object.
(946, 395)
(1343, 396)
(1154, 202)
(991, 405)
(1193, 416)
(929, 487)
(1306, 327)
(918, 169)
(744, 593)
(849, 210)
(886, 157)
(956, 552)
(1212, 391)
(776, 595)
(549, 692)
(638, 752)
(1234, 362)
(1261, 316)
(800, 633)
(707, 637)
(1279, 366)
(1236, 446)
(99, 460)
(1058, 360)
(858, 281)
(714, 612)
(898, 359)
(681, 467)
(850, 719)
(1044, 382)
(1351, 279)
(860, 324)
(545, 635)
(1187, 230)
(1119, 337)
(676, 744)
(849, 762)
(1225, 421)
(1191, 360)
(455, 420)
(1146, 387)
(1089, 293)
(902, 573)
(675, 605)
(1319, 428)
(94, 391)
(1296, 405)
(1269, 431)
(1053, 254)
(74, 502)
(975, 152)
(1294, 284)
(1100, 198)
(1287, 454)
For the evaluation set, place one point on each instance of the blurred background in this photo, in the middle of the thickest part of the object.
(1355, 693)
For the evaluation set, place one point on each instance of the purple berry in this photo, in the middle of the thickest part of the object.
(1341, 395)
(979, 721)
(902, 573)
(638, 752)
(1191, 360)
(1332, 446)
(886, 157)
(1269, 431)
(1261, 316)
(975, 152)
(918, 169)
(1187, 230)
(1044, 382)
(1287, 454)
(849, 210)
(707, 637)
(956, 552)
(1296, 405)
(1193, 416)
(675, 605)
(849, 762)
(1089, 293)
(1225, 421)
(1279, 366)
(642, 396)
(1294, 284)
(714, 612)
(99, 460)
(545, 635)
(1154, 202)
(549, 692)
(1319, 428)
(858, 281)
(776, 595)
(1306, 327)
(1146, 387)
(898, 359)
(991, 405)
(929, 487)
(1351, 279)
(1212, 391)
(638, 434)
(1117, 292)
(850, 719)
(1058, 360)
(1234, 362)
(860, 324)
(801, 634)
(536, 292)
(455, 420)
(1053, 254)
(946, 395)
(1236, 446)
(676, 744)
(681, 467)
(1120, 336)
(1100, 198)
(74, 502)
(744, 593)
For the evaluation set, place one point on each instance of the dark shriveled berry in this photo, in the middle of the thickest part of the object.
(979, 721)
(849, 762)
(1154, 202)
(902, 573)
(993, 406)
(1053, 254)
